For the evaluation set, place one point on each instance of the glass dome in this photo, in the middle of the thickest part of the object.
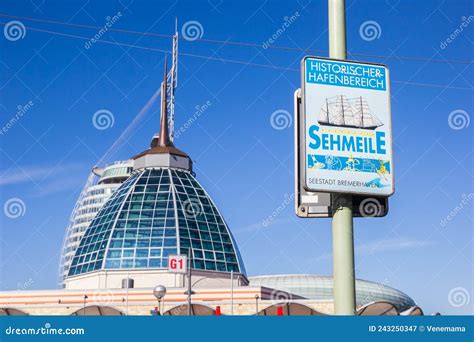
(156, 213)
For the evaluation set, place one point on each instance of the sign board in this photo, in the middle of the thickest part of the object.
(177, 263)
(347, 127)
(312, 204)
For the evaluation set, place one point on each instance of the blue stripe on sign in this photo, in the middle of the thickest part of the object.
(345, 74)
(340, 163)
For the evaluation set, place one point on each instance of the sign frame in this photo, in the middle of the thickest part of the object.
(184, 267)
(304, 123)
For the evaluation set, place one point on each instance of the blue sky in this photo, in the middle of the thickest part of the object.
(240, 158)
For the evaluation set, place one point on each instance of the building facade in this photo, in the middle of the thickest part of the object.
(100, 186)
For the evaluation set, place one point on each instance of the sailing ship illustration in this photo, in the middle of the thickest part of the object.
(342, 111)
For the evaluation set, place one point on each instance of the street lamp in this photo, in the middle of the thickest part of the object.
(159, 292)
(189, 293)
(256, 302)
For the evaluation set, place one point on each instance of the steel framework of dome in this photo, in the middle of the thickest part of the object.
(156, 213)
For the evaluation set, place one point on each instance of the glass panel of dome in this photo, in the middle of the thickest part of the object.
(194, 234)
(232, 267)
(170, 232)
(142, 180)
(151, 189)
(168, 251)
(154, 263)
(157, 223)
(144, 233)
(118, 234)
(156, 242)
(155, 252)
(169, 242)
(158, 230)
(207, 245)
(128, 253)
(227, 247)
(199, 264)
(218, 246)
(116, 243)
(210, 265)
(141, 253)
(128, 243)
(205, 236)
(145, 223)
(127, 263)
(114, 254)
(113, 264)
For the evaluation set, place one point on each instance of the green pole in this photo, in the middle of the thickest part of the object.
(342, 231)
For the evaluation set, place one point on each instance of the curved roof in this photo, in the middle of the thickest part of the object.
(12, 312)
(321, 287)
(290, 309)
(196, 310)
(413, 311)
(378, 308)
(97, 310)
(155, 213)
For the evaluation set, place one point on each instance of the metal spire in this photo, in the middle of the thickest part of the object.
(163, 138)
(173, 81)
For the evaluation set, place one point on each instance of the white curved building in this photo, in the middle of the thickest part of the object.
(100, 185)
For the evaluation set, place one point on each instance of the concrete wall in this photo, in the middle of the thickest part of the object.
(240, 307)
(112, 279)
(141, 301)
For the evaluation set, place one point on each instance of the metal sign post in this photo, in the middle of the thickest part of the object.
(343, 148)
(342, 230)
(182, 264)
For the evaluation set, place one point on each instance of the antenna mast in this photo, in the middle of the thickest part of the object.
(172, 78)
